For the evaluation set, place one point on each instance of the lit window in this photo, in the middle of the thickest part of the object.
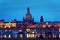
(33, 32)
(20, 30)
(9, 26)
(28, 30)
(44, 26)
(59, 35)
(30, 36)
(21, 35)
(53, 35)
(47, 23)
(5, 36)
(59, 29)
(49, 26)
(5, 26)
(1, 36)
(9, 36)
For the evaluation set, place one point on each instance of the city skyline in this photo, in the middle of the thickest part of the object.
(13, 9)
(29, 19)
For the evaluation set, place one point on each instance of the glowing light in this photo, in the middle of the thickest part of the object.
(28, 30)
(5, 36)
(30, 36)
(59, 35)
(21, 36)
(43, 35)
(47, 23)
(53, 36)
(20, 30)
(9, 26)
(1, 36)
(59, 29)
(49, 26)
(9, 36)
(44, 26)
(5, 27)
(33, 32)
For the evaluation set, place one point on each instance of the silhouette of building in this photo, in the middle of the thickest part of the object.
(41, 19)
(28, 18)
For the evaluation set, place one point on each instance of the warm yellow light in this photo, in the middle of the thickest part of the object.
(59, 29)
(21, 35)
(9, 26)
(13, 24)
(5, 27)
(1, 25)
(44, 26)
(58, 24)
(47, 23)
(49, 26)
(28, 30)
(30, 36)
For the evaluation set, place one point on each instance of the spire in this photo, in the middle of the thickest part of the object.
(28, 15)
(28, 10)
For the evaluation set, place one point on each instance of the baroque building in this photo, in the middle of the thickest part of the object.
(28, 18)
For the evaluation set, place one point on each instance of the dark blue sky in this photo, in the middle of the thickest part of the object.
(11, 9)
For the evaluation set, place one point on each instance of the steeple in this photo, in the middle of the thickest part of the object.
(28, 10)
(28, 15)
(28, 18)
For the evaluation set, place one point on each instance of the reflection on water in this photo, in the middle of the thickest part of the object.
(28, 33)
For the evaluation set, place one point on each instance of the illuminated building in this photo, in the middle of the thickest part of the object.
(29, 29)
(30, 36)
(9, 25)
(1, 23)
(28, 18)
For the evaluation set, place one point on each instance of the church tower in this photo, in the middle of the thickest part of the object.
(28, 18)
(28, 15)
(41, 19)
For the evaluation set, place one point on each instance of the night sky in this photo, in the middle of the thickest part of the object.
(16, 9)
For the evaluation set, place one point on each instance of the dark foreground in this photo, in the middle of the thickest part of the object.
(26, 39)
